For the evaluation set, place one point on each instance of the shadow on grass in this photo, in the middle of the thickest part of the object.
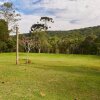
(72, 69)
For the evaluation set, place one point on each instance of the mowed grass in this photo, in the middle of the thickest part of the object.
(50, 77)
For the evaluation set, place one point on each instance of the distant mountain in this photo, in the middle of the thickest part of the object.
(83, 32)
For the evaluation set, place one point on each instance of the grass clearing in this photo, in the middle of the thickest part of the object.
(50, 77)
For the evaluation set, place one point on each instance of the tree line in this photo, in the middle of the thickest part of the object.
(73, 43)
(80, 41)
(65, 42)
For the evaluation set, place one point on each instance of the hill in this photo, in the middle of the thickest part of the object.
(83, 31)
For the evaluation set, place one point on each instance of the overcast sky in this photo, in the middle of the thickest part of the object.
(67, 14)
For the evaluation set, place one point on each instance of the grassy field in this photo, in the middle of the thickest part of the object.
(50, 77)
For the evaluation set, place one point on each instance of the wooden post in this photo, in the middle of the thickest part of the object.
(17, 46)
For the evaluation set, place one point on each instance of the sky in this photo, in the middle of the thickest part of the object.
(67, 14)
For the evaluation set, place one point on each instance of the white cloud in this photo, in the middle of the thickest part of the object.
(54, 4)
(1, 3)
(68, 14)
(26, 22)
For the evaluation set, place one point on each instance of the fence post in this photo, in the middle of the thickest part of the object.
(17, 46)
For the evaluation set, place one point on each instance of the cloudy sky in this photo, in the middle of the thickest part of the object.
(67, 14)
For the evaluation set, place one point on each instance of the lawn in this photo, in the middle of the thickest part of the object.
(50, 77)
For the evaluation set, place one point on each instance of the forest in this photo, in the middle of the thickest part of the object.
(40, 40)
(79, 41)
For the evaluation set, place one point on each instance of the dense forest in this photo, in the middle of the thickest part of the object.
(79, 41)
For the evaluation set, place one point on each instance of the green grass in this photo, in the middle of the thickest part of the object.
(50, 77)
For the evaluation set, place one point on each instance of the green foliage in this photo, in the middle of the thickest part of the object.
(3, 46)
(11, 45)
(4, 34)
(9, 17)
(8, 13)
(97, 43)
(80, 41)
(40, 41)
(7, 5)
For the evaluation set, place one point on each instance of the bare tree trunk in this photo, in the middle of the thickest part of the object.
(57, 51)
(27, 59)
(39, 50)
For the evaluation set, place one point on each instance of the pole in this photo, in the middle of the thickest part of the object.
(17, 45)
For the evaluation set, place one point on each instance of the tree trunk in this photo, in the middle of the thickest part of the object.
(39, 50)
(57, 51)
(27, 57)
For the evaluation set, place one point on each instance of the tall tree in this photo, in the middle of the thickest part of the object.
(40, 41)
(8, 13)
(28, 44)
(46, 20)
(54, 42)
(39, 34)
(4, 33)
(97, 43)
(88, 46)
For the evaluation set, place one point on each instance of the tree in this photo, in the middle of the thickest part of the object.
(46, 20)
(3, 46)
(8, 13)
(38, 27)
(39, 34)
(27, 43)
(4, 33)
(97, 43)
(40, 41)
(53, 41)
(88, 46)
(11, 45)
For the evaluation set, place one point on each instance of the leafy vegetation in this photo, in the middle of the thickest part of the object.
(82, 41)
